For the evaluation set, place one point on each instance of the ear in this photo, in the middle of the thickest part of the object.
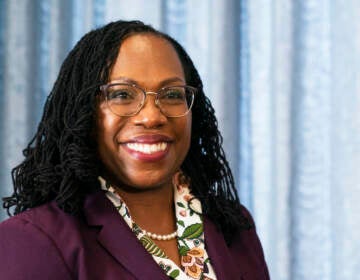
(180, 179)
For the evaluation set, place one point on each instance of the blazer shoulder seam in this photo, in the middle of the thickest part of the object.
(48, 237)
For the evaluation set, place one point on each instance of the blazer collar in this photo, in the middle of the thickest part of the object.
(117, 238)
(225, 266)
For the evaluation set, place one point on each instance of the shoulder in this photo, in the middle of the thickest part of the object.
(37, 214)
(247, 245)
(48, 219)
(27, 246)
(242, 256)
(248, 236)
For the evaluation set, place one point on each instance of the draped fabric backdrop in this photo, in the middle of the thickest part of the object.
(284, 78)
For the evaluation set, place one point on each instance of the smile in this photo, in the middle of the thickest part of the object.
(147, 148)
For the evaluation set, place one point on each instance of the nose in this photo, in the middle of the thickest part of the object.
(150, 115)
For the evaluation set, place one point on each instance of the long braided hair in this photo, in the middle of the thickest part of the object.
(61, 162)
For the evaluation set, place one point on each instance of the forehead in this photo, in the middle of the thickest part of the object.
(147, 58)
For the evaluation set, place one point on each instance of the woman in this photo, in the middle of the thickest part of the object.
(126, 177)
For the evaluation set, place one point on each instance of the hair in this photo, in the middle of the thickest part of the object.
(61, 162)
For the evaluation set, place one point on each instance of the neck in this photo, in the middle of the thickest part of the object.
(153, 210)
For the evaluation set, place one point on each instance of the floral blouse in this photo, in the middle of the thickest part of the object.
(195, 262)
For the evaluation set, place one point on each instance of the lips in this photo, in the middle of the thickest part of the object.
(149, 139)
(148, 147)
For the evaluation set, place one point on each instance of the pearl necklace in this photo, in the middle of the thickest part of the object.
(154, 235)
(160, 236)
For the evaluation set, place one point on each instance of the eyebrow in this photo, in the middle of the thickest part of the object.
(161, 84)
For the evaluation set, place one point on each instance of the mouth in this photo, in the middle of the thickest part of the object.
(147, 148)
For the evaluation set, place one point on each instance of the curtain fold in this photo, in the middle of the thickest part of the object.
(284, 79)
(311, 140)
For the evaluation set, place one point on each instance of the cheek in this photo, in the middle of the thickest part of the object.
(106, 129)
(188, 130)
(107, 126)
(186, 133)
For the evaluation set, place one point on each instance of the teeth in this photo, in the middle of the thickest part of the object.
(147, 148)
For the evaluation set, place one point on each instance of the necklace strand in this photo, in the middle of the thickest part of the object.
(160, 236)
(154, 235)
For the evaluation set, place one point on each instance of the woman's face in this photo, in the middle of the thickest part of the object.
(145, 150)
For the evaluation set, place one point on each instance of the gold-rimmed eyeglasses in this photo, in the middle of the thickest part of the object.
(127, 100)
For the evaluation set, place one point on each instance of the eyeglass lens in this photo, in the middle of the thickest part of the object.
(127, 100)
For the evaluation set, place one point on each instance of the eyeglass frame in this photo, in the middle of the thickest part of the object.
(104, 88)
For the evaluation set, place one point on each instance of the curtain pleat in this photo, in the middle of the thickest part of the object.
(245, 175)
(18, 52)
(311, 142)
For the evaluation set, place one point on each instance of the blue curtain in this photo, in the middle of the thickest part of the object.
(284, 78)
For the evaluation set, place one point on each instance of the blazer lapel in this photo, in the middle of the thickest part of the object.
(220, 257)
(117, 238)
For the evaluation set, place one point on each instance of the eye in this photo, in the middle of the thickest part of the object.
(173, 96)
(121, 94)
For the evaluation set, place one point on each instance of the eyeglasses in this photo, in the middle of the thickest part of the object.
(127, 100)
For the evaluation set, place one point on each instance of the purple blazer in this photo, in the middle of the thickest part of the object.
(46, 243)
